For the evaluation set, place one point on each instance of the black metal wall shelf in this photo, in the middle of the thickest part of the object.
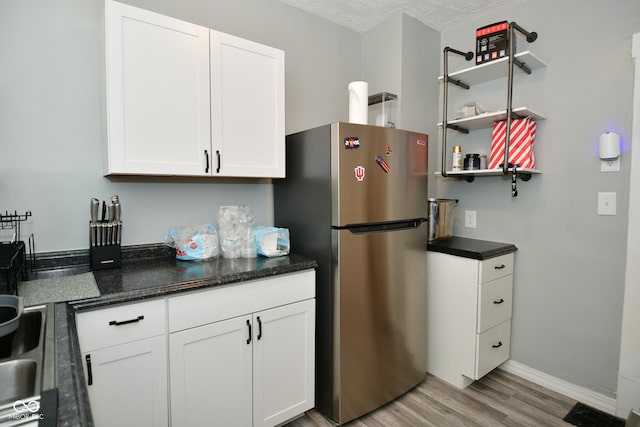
(524, 62)
(486, 120)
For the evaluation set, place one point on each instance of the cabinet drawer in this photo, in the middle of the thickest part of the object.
(492, 348)
(494, 268)
(494, 302)
(213, 305)
(106, 327)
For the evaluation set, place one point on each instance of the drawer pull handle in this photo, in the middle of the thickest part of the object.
(499, 267)
(249, 326)
(125, 322)
(259, 328)
(87, 358)
(497, 345)
(500, 301)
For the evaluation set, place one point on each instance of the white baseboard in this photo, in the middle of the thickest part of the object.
(581, 394)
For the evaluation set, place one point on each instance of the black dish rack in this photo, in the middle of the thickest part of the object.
(15, 259)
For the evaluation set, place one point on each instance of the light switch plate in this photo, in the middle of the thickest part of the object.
(606, 203)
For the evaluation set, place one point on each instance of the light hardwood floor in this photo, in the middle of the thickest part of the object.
(498, 399)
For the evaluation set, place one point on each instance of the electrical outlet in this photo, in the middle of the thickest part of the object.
(610, 165)
(470, 219)
(607, 203)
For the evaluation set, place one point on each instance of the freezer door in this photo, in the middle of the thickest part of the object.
(378, 174)
(380, 323)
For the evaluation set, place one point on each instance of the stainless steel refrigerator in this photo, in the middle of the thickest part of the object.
(355, 200)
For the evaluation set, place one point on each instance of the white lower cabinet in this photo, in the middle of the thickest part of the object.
(250, 370)
(124, 354)
(243, 356)
(211, 374)
(469, 305)
(283, 363)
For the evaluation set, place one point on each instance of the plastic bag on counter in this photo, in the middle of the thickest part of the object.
(272, 241)
(193, 242)
(235, 228)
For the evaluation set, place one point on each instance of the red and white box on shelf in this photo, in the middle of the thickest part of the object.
(522, 137)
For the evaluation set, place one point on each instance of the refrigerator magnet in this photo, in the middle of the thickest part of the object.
(384, 165)
(351, 142)
(388, 150)
(359, 171)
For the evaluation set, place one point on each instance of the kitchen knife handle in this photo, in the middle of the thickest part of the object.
(218, 155)
(206, 157)
(94, 209)
(249, 326)
(87, 358)
(92, 233)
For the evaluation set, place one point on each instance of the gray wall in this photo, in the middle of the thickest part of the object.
(50, 110)
(569, 273)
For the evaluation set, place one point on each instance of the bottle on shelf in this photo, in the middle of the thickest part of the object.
(456, 164)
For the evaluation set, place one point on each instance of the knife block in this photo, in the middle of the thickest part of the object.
(103, 257)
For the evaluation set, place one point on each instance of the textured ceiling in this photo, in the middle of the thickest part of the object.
(362, 15)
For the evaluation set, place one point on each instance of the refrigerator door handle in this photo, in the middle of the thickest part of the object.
(382, 226)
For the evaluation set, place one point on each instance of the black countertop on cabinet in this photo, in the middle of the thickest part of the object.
(470, 248)
(139, 279)
(157, 277)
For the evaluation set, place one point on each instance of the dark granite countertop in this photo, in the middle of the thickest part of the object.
(157, 277)
(470, 248)
(139, 279)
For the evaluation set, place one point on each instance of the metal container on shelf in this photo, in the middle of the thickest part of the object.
(441, 218)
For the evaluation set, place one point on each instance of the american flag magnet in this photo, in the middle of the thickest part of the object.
(384, 165)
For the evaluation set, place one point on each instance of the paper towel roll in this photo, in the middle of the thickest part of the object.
(358, 102)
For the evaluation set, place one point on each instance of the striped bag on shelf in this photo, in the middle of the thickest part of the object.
(523, 134)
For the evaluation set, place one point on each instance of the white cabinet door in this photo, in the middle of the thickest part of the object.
(158, 92)
(127, 383)
(211, 374)
(247, 108)
(283, 362)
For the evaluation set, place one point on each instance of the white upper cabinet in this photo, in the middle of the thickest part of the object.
(182, 99)
(247, 107)
(157, 87)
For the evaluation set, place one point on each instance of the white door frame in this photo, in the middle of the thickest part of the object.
(628, 395)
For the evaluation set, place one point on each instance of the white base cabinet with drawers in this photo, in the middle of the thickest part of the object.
(469, 306)
(239, 355)
(124, 350)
